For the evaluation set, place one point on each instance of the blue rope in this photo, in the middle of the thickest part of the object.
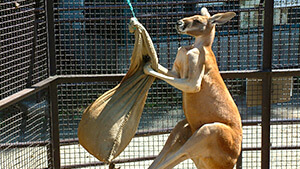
(131, 8)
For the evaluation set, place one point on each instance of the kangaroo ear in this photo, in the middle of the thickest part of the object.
(221, 18)
(204, 12)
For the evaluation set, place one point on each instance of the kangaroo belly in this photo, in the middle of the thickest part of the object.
(201, 108)
(196, 112)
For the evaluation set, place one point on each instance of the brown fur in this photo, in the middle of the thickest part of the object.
(211, 135)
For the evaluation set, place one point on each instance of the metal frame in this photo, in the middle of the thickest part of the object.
(266, 83)
(51, 83)
(59, 79)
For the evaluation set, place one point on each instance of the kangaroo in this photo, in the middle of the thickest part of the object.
(211, 134)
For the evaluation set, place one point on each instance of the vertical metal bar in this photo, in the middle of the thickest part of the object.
(266, 83)
(54, 127)
(290, 40)
(239, 64)
(297, 14)
(268, 35)
(259, 37)
(239, 162)
(50, 37)
(54, 161)
(228, 48)
(266, 109)
(33, 51)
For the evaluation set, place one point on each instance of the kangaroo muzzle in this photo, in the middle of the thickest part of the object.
(180, 26)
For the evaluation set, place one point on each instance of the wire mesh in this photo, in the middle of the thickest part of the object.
(285, 135)
(241, 90)
(91, 37)
(24, 134)
(17, 29)
(162, 110)
(158, 114)
(40, 64)
(72, 100)
(286, 34)
(23, 59)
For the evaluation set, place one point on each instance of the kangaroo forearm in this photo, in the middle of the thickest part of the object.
(167, 72)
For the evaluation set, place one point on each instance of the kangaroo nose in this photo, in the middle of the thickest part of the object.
(179, 23)
(179, 26)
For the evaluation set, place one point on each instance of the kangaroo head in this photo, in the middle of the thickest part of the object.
(200, 25)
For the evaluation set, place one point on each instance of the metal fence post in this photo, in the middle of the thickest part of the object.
(50, 37)
(239, 163)
(54, 128)
(266, 83)
(54, 121)
(34, 41)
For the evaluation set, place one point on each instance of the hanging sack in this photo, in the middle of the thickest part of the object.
(108, 125)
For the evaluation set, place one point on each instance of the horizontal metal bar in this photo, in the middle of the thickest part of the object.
(114, 161)
(286, 72)
(144, 134)
(24, 144)
(44, 83)
(272, 148)
(224, 74)
(16, 97)
(285, 148)
(273, 122)
(153, 157)
(75, 141)
(260, 74)
(242, 74)
(118, 77)
(12, 99)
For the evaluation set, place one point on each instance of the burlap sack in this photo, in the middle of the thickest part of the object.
(108, 125)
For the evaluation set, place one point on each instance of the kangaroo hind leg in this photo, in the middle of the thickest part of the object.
(179, 135)
(209, 147)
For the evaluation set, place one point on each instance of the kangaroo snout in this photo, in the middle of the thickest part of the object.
(179, 26)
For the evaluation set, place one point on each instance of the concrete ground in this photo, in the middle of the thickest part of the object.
(281, 135)
(286, 135)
